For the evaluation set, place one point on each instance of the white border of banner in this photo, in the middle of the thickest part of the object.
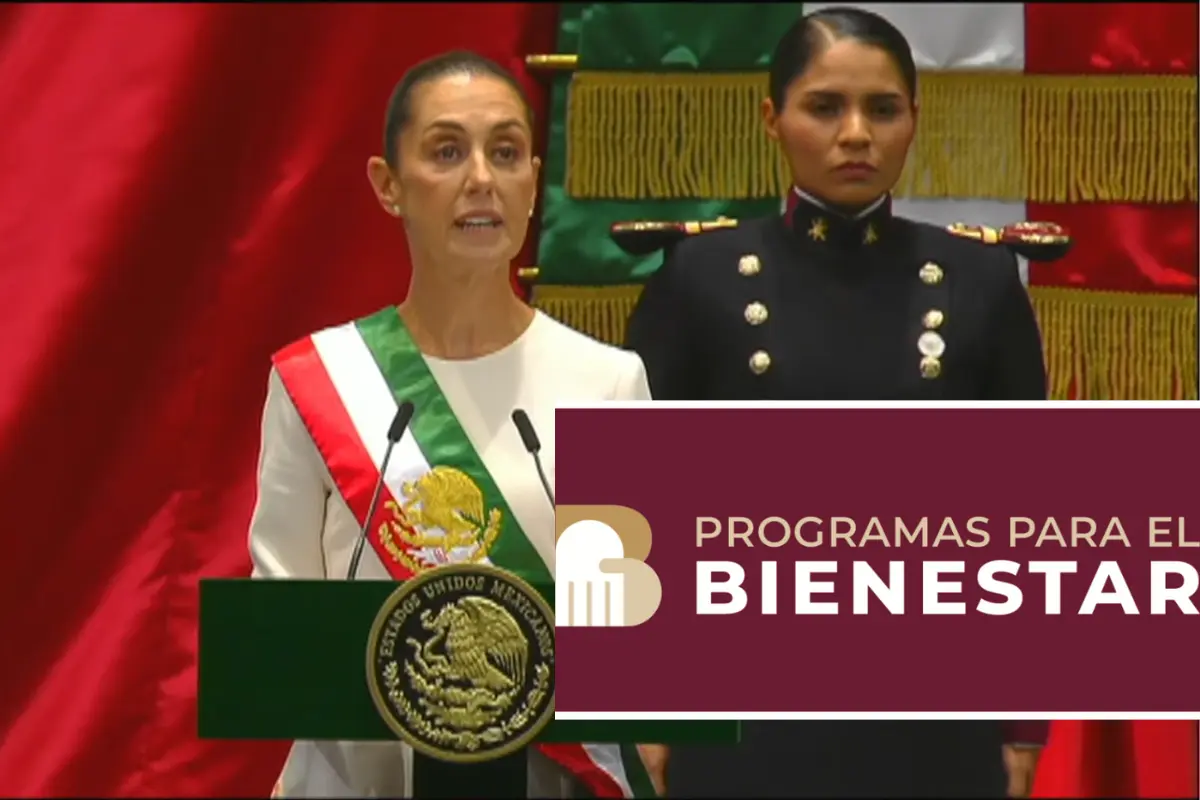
(713, 716)
(768, 405)
(809, 405)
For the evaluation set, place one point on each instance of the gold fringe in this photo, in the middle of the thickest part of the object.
(1099, 345)
(1118, 345)
(987, 135)
(599, 311)
(637, 136)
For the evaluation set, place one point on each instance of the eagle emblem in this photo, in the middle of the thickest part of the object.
(460, 662)
(440, 519)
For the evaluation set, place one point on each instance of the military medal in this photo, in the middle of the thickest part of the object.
(931, 344)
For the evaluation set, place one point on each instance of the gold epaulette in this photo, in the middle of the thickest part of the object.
(643, 237)
(1036, 241)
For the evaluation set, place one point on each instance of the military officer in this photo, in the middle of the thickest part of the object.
(840, 299)
(814, 305)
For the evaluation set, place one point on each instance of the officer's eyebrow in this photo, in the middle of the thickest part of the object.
(833, 94)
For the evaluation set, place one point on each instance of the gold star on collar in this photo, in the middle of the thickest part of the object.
(819, 229)
(870, 236)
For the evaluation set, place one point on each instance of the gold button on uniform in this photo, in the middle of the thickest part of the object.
(760, 362)
(749, 265)
(930, 367)
(931, 274)
(756, 313)
(933, 319)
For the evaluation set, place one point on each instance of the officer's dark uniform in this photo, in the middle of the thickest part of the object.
(827, 308)
(814, 306)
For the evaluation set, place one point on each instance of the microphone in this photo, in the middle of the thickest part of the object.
(395, 434)
(530, 439)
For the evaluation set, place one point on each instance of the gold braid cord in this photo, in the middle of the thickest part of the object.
(1099, 345)
(987, 135)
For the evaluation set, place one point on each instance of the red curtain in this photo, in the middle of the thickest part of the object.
(1126, 247)
(184, 191)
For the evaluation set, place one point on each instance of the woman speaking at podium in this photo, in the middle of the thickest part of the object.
(459, 174)
(837, 299)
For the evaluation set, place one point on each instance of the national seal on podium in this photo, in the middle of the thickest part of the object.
(460, 663)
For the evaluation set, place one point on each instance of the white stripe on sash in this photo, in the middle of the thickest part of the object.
(369, 403)
(608, 758)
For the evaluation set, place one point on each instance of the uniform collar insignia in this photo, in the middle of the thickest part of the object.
(815, 223)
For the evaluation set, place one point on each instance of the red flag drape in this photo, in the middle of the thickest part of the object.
(1086, 758)
(1122, 247)
(184, 191)
(1131, 247)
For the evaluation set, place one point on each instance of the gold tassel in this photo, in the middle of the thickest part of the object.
(987, 135)
(1118, 345)
(1099, 345)
(599, 311)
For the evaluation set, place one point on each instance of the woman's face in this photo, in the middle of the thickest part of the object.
(846, 124)
(465, 179)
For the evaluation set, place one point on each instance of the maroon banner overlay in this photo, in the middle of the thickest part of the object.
(1094, 487)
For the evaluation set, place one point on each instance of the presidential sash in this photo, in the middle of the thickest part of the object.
(439, 504)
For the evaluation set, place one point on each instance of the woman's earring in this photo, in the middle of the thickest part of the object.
(396, 209)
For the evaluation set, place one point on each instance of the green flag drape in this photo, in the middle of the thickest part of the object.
(666, 101)
(665, 104)
(652, 81)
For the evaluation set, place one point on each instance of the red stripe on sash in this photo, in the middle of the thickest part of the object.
(576, 760)
(328, 423)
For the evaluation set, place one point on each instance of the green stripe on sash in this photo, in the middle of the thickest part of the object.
(635, 772)
(441, 438)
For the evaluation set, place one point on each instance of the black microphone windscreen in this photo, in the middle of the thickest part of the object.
(525, 428)
(400, 421)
